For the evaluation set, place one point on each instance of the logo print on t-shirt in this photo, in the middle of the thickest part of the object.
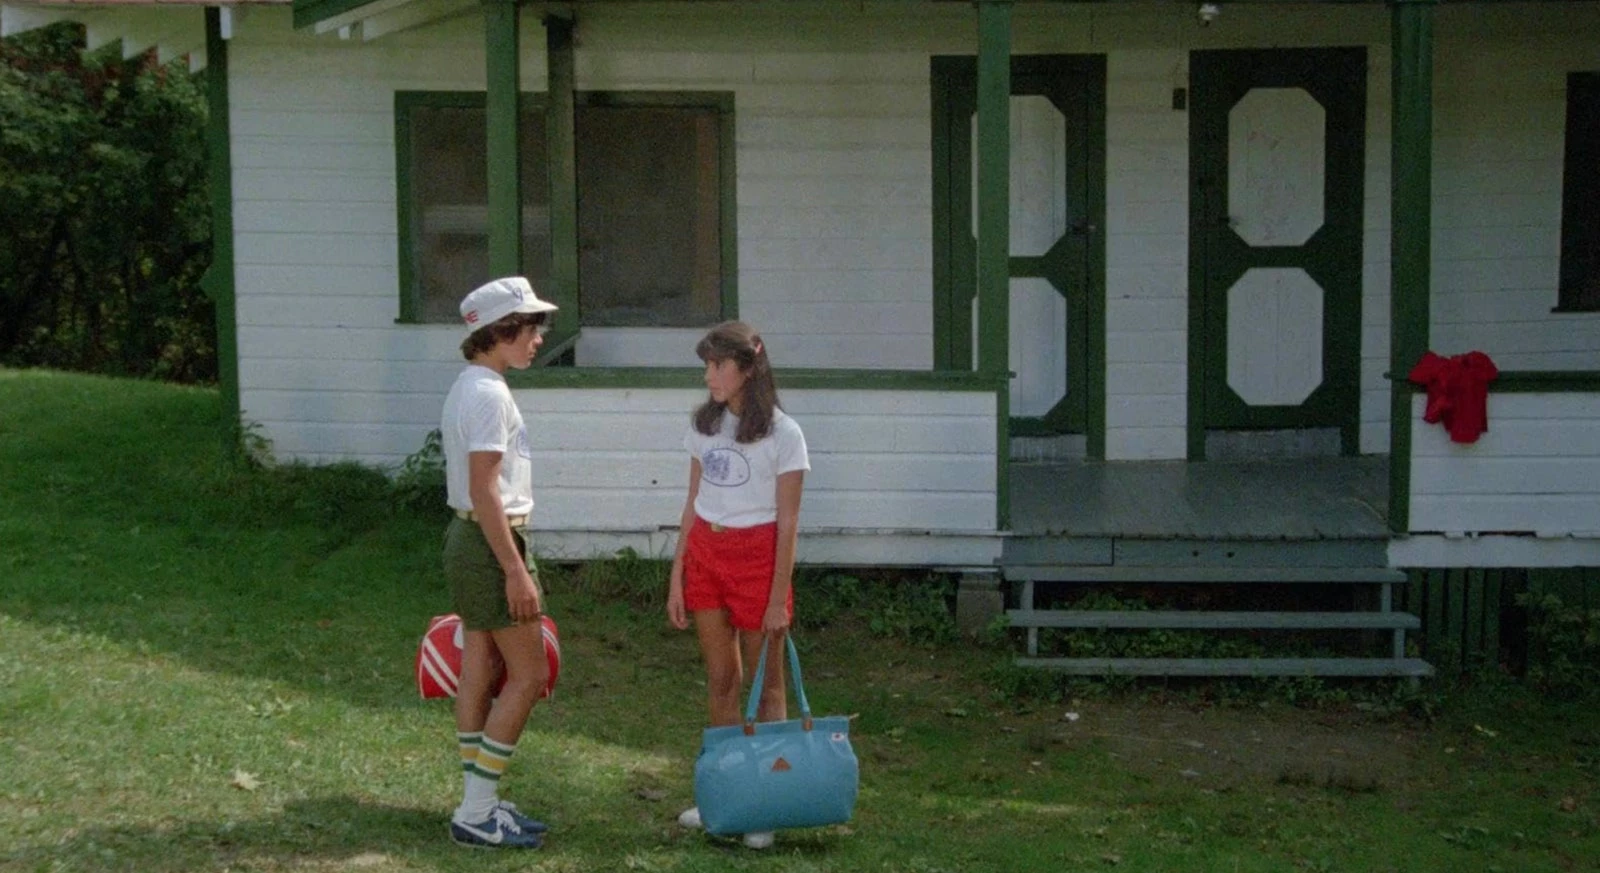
(725, 467)
(523, 449)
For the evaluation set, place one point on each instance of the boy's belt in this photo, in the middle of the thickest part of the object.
(513, 520)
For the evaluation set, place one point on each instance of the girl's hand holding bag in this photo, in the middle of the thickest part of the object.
(771, 776)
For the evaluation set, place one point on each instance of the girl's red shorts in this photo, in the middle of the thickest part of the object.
(731, 568)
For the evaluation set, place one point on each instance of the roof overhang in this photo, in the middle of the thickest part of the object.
(174, 28)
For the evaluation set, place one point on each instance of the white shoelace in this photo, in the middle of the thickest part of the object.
(506, 820)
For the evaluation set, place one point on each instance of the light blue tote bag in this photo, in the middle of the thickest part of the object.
(799, 773)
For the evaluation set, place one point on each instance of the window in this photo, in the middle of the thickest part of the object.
(655, 182)
(1580, 198)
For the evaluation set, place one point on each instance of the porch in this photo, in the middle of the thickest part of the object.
(1297, 545)
(1330, 499)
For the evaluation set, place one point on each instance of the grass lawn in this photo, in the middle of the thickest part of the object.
(210, 669)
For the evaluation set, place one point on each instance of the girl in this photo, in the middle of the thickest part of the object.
(493, 580)
(735, 561)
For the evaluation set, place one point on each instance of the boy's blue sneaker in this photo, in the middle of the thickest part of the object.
(499, 831)
(532, 825)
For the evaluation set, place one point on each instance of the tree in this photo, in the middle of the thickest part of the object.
(105, 228)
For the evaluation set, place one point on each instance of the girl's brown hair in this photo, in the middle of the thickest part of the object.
(490, 335)
(738, 342)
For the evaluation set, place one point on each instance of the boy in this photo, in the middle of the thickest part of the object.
(493, 579)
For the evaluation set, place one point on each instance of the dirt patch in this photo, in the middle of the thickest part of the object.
(1224, 748)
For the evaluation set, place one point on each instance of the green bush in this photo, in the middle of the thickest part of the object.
(904, 605)
(419, 484)
(1563, 645)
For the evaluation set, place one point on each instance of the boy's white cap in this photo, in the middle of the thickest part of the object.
(495, 300)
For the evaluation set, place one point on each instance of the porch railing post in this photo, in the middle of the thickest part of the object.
(501, 21)
(994, 222)
(561, 153)
(1410, 230)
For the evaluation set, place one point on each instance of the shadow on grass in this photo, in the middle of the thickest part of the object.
(346, 833)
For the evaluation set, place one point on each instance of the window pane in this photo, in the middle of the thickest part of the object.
(450, 205)
(649, 199)
(1580, 196)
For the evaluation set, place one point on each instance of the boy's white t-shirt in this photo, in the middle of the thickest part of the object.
(739, 481)
(481, 416)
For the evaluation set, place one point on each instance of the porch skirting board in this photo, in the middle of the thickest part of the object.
(954, 550)
(1496, 550)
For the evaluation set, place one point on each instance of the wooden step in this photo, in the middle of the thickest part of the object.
(1360, 667)
(1116, 574)
(1201, 620)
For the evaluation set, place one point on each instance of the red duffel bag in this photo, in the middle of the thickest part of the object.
(439, 657)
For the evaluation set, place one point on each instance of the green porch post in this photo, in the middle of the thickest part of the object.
(1410, 230)
(561, 152)
(501, 19)
(994, 226)
(218, 281)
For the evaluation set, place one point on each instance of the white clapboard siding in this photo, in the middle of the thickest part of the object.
(1500, 117)
(612, 459)
(1536, 470)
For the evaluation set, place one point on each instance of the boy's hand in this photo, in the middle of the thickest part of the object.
(522, 596)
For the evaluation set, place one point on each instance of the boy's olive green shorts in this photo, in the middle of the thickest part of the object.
(477, 584)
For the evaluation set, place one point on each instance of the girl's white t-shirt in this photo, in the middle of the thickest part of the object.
(739, 481)
(481, 416)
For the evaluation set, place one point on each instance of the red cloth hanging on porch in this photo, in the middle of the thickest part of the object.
(1458, 392)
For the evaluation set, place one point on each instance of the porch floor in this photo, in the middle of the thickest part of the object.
(1295, 499)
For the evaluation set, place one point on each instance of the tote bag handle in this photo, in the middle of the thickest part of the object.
(760, 678)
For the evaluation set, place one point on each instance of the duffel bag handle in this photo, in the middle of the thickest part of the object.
(760, 678)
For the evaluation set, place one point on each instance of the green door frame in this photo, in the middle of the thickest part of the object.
(1332, 255)
(1074, 265)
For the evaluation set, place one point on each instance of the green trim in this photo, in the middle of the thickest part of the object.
(942, 74)
(994, 228)
(1095, 357)
(503, 116)
(219, 279)
(406, 243)
(1552, 381)
(561, 156)
(1411, 228)
(311, 12)
(1002, 456)
(728, 221)
(694, 378)
(994, 195)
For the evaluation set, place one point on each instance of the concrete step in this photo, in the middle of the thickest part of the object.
(1201, 620)
(1357, 667)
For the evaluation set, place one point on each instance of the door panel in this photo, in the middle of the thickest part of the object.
(1277, 140)
(1056, 186)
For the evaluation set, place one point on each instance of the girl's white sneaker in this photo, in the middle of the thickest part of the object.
(690, 818)
(758, 840)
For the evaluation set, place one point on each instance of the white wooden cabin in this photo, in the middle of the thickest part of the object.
(1176, 337)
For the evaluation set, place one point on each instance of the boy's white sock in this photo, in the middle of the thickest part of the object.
(481, 794)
